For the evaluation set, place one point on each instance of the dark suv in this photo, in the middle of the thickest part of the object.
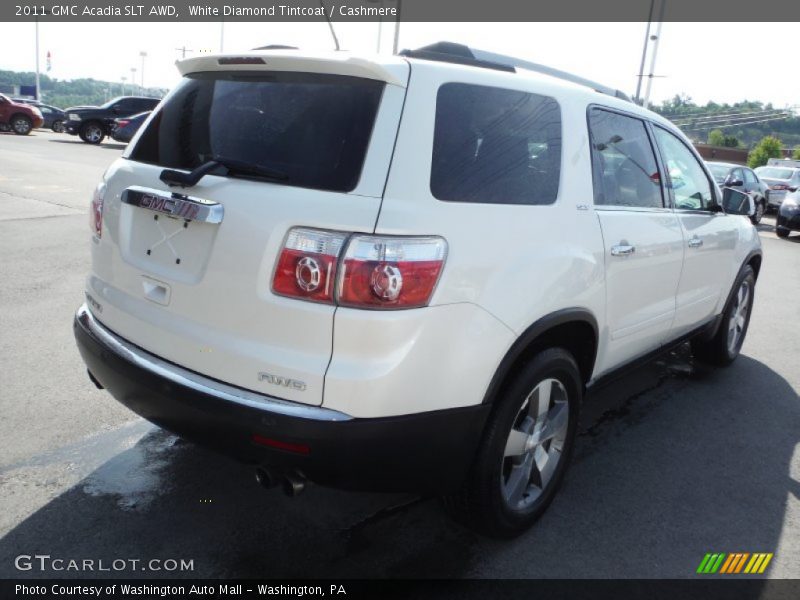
(93, 124)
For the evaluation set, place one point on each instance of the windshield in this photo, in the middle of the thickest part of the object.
(775, 173)
(313, 128)
(720, 172)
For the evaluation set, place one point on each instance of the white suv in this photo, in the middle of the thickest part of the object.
(402, 273)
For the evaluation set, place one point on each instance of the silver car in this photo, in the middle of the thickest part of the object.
(781, 180)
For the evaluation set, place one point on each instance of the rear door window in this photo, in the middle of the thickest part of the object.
(495, 146)
(623, 161)
(314, 128)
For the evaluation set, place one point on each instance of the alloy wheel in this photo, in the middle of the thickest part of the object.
(738, 318)
(535, 444)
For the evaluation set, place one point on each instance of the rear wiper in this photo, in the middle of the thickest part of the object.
(234, 167)
(240, 167)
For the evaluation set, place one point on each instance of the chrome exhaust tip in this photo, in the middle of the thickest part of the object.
(266, 478)
(294, 484)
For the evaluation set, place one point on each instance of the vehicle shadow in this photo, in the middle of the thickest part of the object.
(672, 461)
(104, 145)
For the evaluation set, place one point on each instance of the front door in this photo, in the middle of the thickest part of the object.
(710, 235)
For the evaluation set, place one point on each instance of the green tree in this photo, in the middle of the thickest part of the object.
(716, 137)
(796, 153)
(768, 147)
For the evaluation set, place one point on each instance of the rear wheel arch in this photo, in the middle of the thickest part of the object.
(573, 329)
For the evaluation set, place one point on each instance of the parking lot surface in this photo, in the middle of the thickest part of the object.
(672, 461)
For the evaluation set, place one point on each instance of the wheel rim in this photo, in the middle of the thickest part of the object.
(759, 211)
(535, 444)
(738, 318)
(93, 134)
(21, 126)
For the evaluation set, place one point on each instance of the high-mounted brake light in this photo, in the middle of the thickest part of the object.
(389, 272)
(307, 264)
(96, 210)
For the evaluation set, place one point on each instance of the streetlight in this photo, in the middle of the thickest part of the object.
(143, 54)
(133, 79)
(397, 28)
(124, 79)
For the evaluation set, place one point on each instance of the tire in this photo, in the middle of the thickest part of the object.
(21, 125)
(489, 502)
(760, 210)
(782, 232)
(92, 133)
(722, 349)
(58, 126)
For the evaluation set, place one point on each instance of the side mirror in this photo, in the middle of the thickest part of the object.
(735, 202)
(734, 182)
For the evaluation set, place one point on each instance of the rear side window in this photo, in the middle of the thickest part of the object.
(624, 164)
(314, 128)
(495, 146)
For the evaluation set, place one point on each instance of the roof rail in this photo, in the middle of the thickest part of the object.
(461, 54)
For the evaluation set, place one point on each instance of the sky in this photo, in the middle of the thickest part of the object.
(706, 61)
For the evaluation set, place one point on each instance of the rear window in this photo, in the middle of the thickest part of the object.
(314, 128)
(496, 146)
(775, 173)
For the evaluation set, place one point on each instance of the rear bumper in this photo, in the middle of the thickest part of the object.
(424, 452)
(790, 219)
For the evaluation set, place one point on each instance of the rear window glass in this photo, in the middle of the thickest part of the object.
(775, 173)
(314, 128)
(495, 146)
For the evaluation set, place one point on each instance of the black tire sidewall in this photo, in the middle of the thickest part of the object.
(555, 363)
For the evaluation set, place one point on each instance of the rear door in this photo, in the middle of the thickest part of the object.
(642, 237)
(710, 235)
(197, 291)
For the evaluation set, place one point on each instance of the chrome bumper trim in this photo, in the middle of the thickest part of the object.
(200, 383)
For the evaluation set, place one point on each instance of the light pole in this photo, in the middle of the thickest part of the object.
(37, 58)
(133, 79)
(124, 79)
(143, 54)
(397, 28)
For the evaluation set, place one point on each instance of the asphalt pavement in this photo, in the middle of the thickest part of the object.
(672, 461)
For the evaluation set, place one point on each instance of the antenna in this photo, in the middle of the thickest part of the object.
(328, 19)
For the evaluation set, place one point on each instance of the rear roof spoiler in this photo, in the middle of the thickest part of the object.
(391, 70)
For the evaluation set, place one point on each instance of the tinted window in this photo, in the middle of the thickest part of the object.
(313, 128)
(495, 146)
(737, 175)
(625, 169)
(749, 176)
(687, 179)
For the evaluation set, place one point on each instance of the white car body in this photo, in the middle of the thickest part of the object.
(508, 267)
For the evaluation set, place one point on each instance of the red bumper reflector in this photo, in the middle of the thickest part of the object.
(289, 447)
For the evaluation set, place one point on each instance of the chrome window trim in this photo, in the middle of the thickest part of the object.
(197, 382)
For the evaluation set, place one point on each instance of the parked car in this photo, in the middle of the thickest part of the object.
(781, 180)
(124, 129)
(745, 180)
(53, 117)
(337, 294)
(788, 215)
(18, 117)
(94, 124)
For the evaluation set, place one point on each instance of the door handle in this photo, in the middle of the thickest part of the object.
(695, 242)
(622, 250)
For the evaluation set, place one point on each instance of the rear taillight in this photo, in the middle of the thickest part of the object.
(96, 210)
(390, 272)
(379, 272)
(779, 186)
(122, 123)
(307, 264)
